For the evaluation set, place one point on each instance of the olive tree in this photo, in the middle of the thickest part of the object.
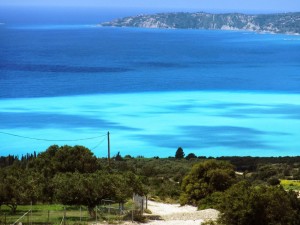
(206, 178)
(19, 187)
(89, 189)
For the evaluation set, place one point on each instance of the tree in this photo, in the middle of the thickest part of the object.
(273, 181)
(89, 189)
(191, 156)
(2, 190)
(179, 153)
(244, 204)
(81, 189)
(77, 158)
(118, 157)
(19, 186)
(65, 159)
(206, 178)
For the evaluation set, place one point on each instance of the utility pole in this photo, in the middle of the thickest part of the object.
(108, 149)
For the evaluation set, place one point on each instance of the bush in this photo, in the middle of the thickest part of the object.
(206, 178)
(211, 201)
(148, 211)
(244, 204)
(209, 222)
(273, 181)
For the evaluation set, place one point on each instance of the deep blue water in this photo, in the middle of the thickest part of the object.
(211, 92)
(72, 60)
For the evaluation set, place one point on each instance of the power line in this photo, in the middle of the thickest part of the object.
(98, 144)
(43, 139)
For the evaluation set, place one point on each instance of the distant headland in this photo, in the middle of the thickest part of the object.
(279, 23)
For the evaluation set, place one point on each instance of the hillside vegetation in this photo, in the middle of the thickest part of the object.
(240, 187)
(285, 23)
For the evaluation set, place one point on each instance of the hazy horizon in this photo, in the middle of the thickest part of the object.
(43, 14)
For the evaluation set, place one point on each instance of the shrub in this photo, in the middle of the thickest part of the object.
(244, 204)
(274, 181)
(206, 178)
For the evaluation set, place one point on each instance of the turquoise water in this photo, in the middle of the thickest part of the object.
(213, 93)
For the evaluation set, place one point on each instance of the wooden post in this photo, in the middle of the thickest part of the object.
(146, 201)
(108, 149)
(132, 208)
(31, 213)
(96, 214)
(48, 216)
(64, 215)
(80, 214)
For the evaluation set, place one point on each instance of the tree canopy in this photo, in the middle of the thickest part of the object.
(206, 178)
(89, 189)
(19, 186)
(73, 175)
(191, 156)
(245, 204)
(179, 153)
(66, 159)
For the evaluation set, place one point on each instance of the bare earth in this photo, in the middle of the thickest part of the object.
(174, 214)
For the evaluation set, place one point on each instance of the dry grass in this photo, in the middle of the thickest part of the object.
(290, 184)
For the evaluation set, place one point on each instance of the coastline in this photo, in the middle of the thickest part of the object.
(201, 29)
(260, 23)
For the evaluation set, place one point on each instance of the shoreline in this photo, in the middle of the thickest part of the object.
(200, 29)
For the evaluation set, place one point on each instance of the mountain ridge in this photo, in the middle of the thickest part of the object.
(285, 23)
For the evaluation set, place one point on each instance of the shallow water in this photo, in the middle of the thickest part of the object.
(211, 92)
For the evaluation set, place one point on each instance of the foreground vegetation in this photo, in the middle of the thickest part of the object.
(71, 215)
(290, 184)
(247, 190)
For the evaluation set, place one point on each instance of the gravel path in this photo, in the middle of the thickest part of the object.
(174, 214)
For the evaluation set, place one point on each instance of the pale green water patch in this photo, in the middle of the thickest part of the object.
(155, 124)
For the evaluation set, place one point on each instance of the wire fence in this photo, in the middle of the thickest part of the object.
(18, 220)
(108, 211)
(69, 216)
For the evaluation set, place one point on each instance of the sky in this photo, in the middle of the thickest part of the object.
(218, 5)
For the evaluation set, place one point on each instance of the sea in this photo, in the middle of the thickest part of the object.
(66, 80)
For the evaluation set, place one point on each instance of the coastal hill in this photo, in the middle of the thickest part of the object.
(285, 23)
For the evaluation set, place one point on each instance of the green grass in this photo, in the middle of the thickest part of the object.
(53, 214)
(290, 184)
(45, 214)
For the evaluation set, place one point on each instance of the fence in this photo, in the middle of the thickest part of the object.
(140, 202)
(68, 216)
(72, 215)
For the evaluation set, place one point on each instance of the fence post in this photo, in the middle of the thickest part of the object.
(146, 201)
(64, 215)
(31, 213)
(48, 216)
(80, 214)
(96, 214)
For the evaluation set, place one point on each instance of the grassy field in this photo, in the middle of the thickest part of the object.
(53, 214)
(291, 184)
